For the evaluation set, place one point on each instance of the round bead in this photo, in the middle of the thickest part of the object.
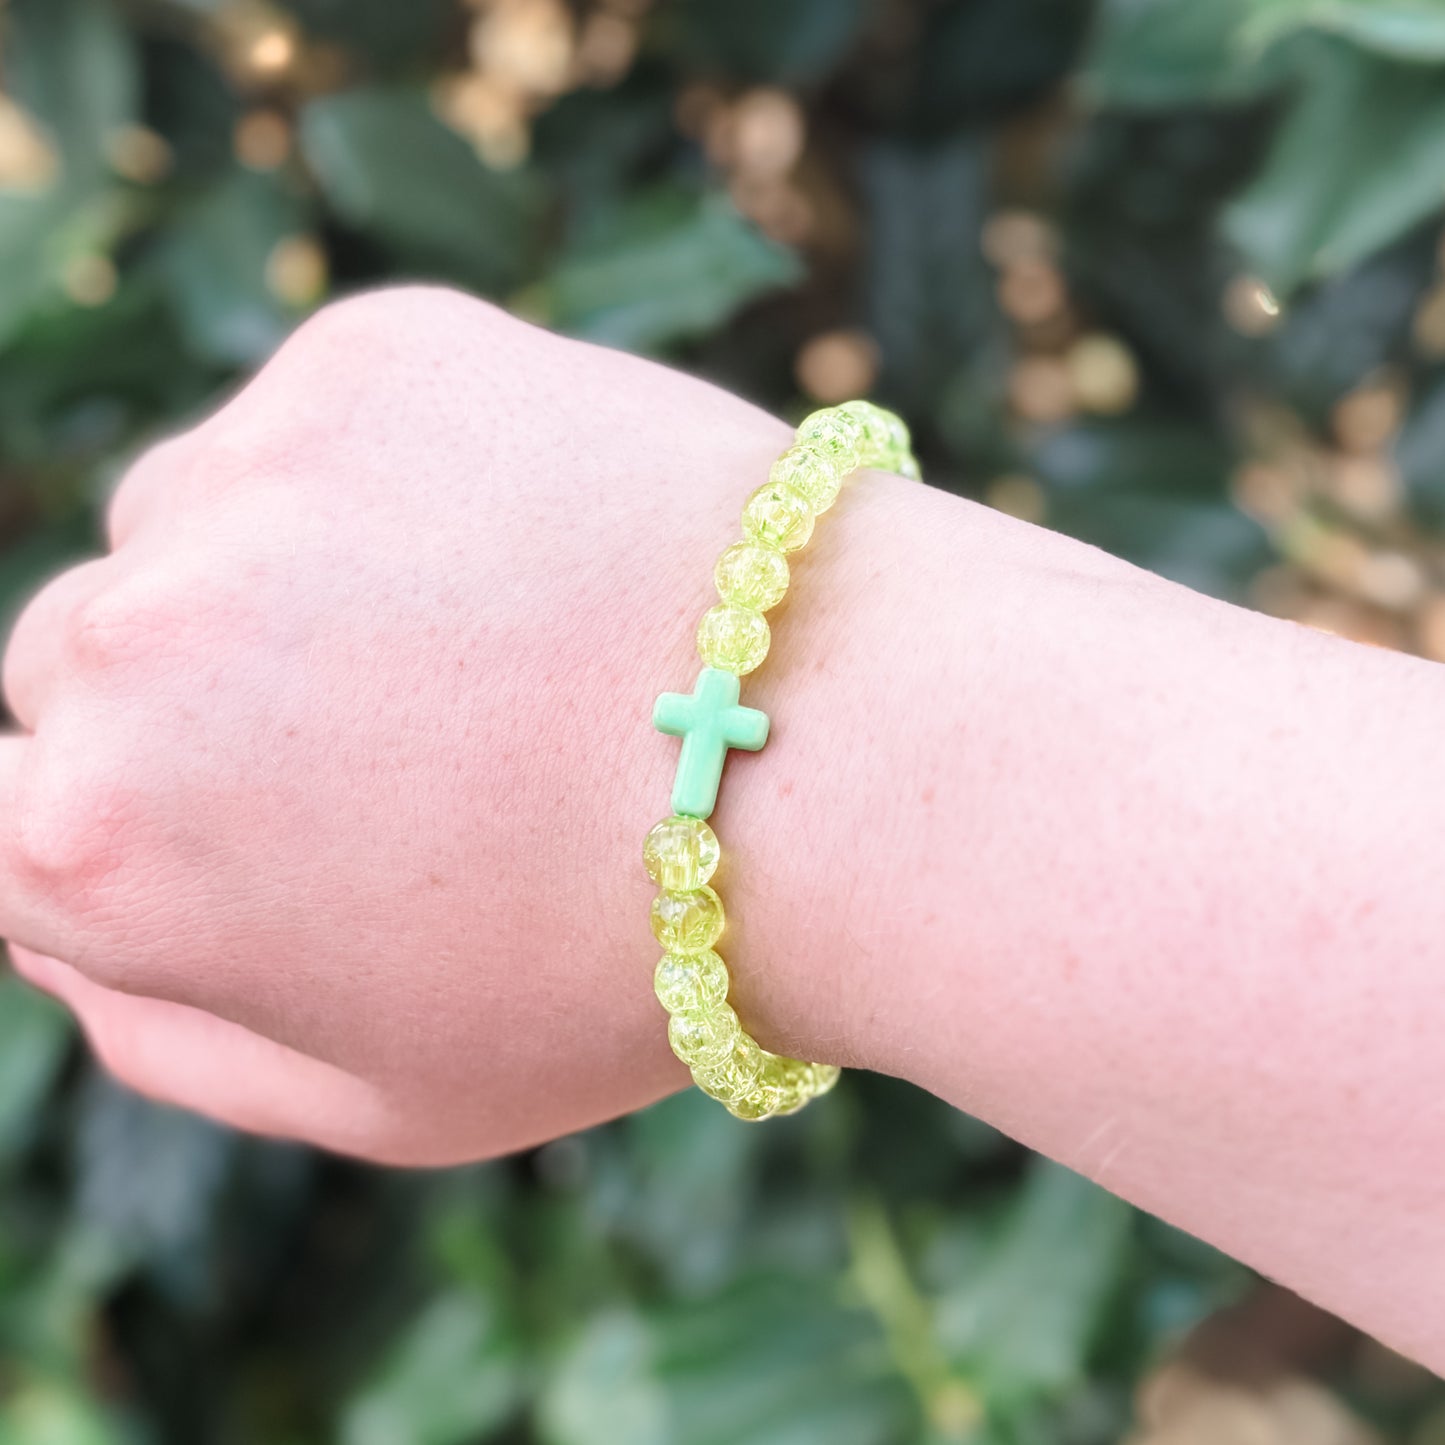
(880, 440)
(751, 575)
(900, 442)
(758, 1103)
(690, 982)
(835, 433)
(813, 473)
(779, 516)
(681, 853)
(733, 1075)
(732, 638)
(822, 1077)
(687, 922)
(700, 1040)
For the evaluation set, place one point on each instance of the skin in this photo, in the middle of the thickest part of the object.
(326, 814)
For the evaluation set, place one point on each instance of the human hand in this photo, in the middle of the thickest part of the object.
(337, 767)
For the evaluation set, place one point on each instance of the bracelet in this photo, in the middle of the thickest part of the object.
(681, 852)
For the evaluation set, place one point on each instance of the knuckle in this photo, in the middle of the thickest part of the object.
(157, 475)
(80, 847)
(110, 627)
(69, 836)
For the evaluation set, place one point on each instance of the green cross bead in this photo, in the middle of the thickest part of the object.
(709, 722)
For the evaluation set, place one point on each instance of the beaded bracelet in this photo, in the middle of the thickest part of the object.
(681, 852)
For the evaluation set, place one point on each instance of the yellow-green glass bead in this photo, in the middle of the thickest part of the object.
(835, 433)
(681, 853)
(752, 575)
(733, 638)
(881, 441)
(687, 922)
(734, 1074)
(779, 516)
(789, 1093)
(703, 1039)
(690, 982)
(900, 442)
(758, 1103)
(813, 473)
(822, 1077)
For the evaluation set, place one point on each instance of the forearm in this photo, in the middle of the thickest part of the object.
(1146, 881)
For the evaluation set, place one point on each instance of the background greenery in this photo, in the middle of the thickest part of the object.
(1165, 274)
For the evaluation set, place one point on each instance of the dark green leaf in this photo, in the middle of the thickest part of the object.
(74, 68)
(214, 269)
(390, 168)
(1154, 54)
(1411, 30)
(33, 1036)
(767, 1361)
(1359, 160)
(451, 1378)
(665, 270)
(782, 40)
(1023, 1322)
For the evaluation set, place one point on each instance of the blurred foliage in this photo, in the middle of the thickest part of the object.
(1165, 274)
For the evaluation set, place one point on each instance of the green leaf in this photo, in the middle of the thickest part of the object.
(606, 1388)
(1359, 160)
(1157, 54)
(213, 268)
(72, 65)
(1023, 1322)
(452, 1378)
(771, 1359)
(780, 40)
(1409, 30)
(663, 270)
(387, 166)
(33, 1037)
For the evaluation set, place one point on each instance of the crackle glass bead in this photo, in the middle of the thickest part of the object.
(822, 1077)
(790, 1090)
(733, 638)
(758, 1103)
(681, 853)
(704, 1039)
(835, 433)
(687, 922)
(690, 982)
(813, 473)
(900, 441)
(734, 1074)
(880, 441)
(751, 574)
(779, 516)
